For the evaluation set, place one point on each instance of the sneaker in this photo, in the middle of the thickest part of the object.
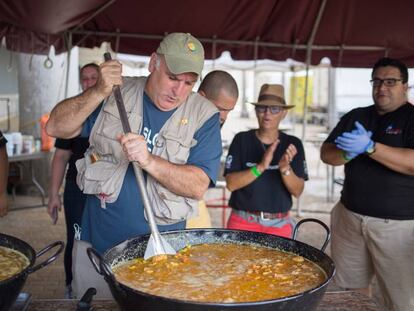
(68, 292)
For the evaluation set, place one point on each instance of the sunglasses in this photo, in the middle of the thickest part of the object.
(272, 109)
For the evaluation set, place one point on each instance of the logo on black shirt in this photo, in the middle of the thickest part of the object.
(392, 131)
(228, 161)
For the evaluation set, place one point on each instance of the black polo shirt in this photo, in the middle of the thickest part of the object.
(371, 188)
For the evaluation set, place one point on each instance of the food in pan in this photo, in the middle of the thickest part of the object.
(12, 262)
(222, 273)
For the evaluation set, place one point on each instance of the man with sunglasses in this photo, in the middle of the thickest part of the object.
(373, 223)
(264, 168)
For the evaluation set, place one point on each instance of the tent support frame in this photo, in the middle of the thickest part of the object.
(236, 42)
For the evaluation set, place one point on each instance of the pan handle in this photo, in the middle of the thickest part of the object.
(96, 259)
(99, 264)
(328, 232)
(51, 258)
(103, 269)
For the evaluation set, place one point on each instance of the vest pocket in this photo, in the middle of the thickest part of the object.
(171, 208)
(176, 150)
(100, 171)
(168, 207)
(110, 127)
(102, 178)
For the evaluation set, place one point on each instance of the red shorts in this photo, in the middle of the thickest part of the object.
(239, 223)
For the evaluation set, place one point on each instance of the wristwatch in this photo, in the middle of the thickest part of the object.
(286, 172)
(371, 148)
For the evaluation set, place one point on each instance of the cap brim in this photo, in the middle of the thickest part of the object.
(179, 65)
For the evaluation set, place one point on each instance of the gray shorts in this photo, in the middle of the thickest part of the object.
(363, 245)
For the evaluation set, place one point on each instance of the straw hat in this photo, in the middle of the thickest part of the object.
(272, 95)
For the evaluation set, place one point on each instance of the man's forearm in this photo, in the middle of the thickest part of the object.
(293, 184)
(400, 160)
(332, 155)
(241, 179)
(184, 180)
(68, 116)
(59, 162)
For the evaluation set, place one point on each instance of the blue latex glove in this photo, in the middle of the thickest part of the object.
(350, 155)
(355, 143)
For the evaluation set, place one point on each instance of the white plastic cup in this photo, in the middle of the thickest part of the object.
(28, 144)
(17, 143)
(10, 144)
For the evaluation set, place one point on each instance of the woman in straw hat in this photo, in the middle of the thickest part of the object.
(264, 168)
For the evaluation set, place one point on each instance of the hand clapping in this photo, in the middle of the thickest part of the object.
(287, 157)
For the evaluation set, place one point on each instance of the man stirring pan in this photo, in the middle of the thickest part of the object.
(175, 139)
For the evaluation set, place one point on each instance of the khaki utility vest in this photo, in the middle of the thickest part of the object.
(101, 172)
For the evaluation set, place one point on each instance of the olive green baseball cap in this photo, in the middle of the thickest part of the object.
(182, 52)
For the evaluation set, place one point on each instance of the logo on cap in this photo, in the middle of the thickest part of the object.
(191, 46)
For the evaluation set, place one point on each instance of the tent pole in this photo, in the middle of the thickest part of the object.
(305, 100)
(308, 61)
(69, 46)
(117, 41)
(244, 112)
(214, 51)
(97, 12)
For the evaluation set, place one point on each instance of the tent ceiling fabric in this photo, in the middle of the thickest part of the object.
(352, 33)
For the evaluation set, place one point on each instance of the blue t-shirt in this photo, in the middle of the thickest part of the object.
(90, 122)
(123, 219)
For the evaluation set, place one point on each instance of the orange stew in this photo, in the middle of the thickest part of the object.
(11, 262)
(222, 273)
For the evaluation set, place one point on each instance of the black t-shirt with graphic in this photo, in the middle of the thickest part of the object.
(267, 193)
(371, 188)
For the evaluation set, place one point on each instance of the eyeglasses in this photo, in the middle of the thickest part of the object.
(272, 109)
(387, 82)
